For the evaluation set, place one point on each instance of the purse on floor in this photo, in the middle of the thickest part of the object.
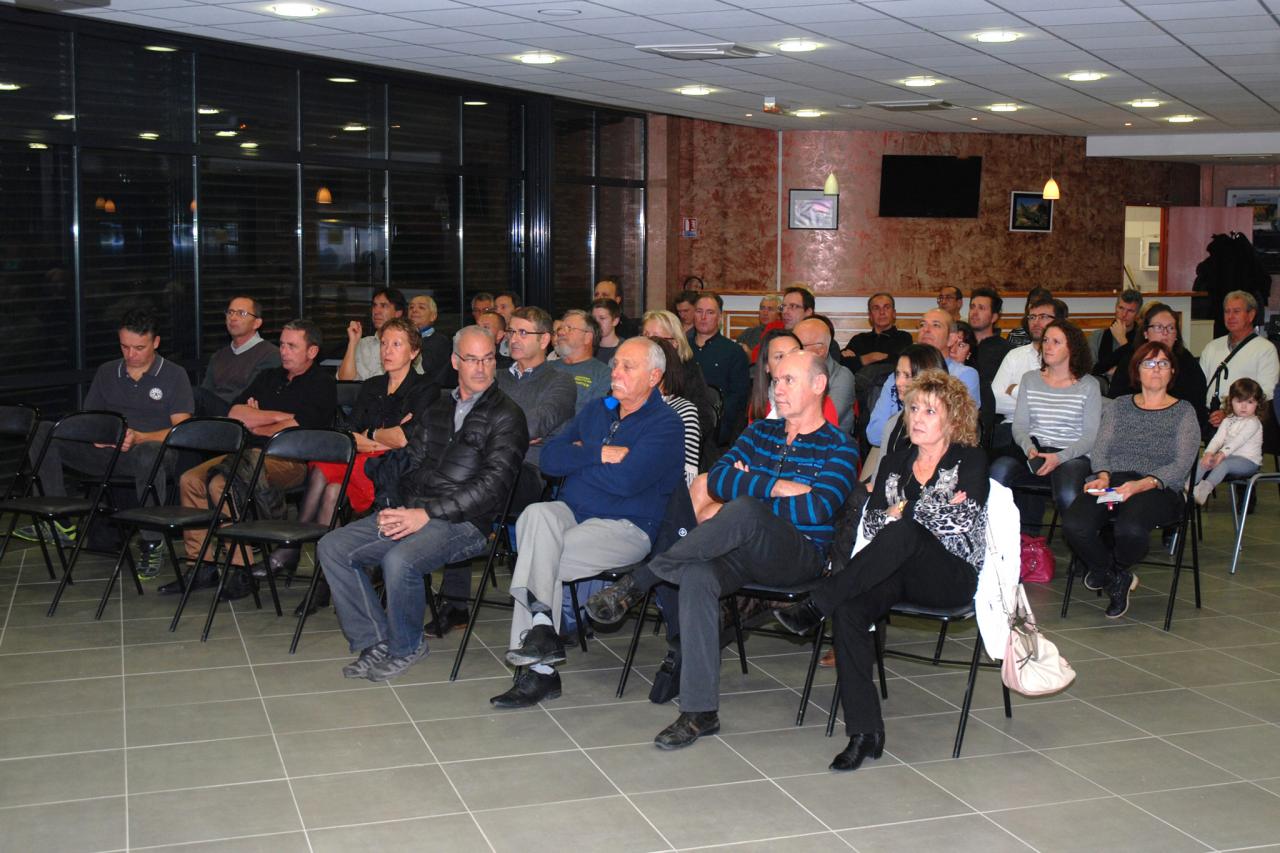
(1038, 563)
(1032, 665)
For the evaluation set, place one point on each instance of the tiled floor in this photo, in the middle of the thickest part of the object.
(119, 735)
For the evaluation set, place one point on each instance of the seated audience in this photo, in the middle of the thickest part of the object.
(506, 303)
(1020, 360)
(435, 359)
(815, 334)
(1143, 453)
(575, 340)
(926, 522)
(797, 304)
(883, 342)
(1161, 323)
(913, 360)
(663, 325)
(496, 324)
(951, 300)
(363, 357)
(606, 313)
(1236, 449)
(383, 410)
(673, 391)
(985, 305)
(439, 508)
(480, 303)
(621, 460)
(781, 484)
(610, 288)
(777, 344)
(1238, 354)
(963, 346)
(770, 312)
(1055, 421)
(1107, 343)
(724, 364)
(234, 367)
(1021, 336)
(683, 308)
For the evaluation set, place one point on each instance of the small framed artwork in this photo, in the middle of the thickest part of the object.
(1030, 211)
(1149, 259)
(813, 210)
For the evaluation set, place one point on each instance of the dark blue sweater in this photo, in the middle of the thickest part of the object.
(825, 460)
(635, 489)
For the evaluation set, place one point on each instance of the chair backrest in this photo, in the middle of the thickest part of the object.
(18, 423)
(91, 428)
(300, 444)
(212, 435)
(19, 420)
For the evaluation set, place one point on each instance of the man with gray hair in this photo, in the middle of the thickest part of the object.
(576, 345)
(621, 458)
(439, 511)
(1105, 343)
(780, 486)
(1239, 353)
(770, 312)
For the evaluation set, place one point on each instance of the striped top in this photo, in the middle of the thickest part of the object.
(825, 460)
(1066, 418)
(688, 413)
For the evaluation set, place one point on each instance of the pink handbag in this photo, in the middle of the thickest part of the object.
(1038, 561)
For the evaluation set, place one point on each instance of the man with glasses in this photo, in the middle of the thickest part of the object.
(575, 346)
(1004, 388)
(234, 367)
(724, 364)
(797, 304)
(621, 458)
(951, 300)
(1251, 355)
(363, 357)
(815, 334)
(446, 499)
(1105, 343)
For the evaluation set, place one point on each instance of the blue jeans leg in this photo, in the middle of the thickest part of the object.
(343, 553)
(404, 565)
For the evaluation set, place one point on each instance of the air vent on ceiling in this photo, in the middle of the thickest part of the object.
(913, 106)
(711, 50)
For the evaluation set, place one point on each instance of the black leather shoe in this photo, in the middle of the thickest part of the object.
(687, 728)
(529, 688)
(448, 617)
(860, 748)
(609, 606)
(666, 681)
(1124, 583)
(801, 618)
(205, 577)
(540, 645)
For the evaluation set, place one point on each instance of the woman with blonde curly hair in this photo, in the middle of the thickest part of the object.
(926, 523)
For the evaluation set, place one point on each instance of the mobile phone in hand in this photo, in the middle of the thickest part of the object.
(1038, 462)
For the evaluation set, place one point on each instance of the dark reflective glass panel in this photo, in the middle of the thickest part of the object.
(35, 79)
(571, 239)
(136, 248)
(342, 118)
(424, 240)
(487, 133)
(242, 104)
(248, 244)
(486, 235)
(424, 126)
(574, 139)
(129, 92)
(620, 243)
(621, 152)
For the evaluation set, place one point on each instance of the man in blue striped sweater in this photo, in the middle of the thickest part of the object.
(780, 484)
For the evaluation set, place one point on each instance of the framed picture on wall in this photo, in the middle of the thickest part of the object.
(1030, 211)
(813, 210)
(1266, 221)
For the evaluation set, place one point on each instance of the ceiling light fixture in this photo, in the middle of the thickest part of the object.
(797, 46)
(973, 118)
(537, 58)
(225, 133)
(108, 206)
(1085, 76)
(748, 115)
(249, 145)
(341, 79)
(9, 87)
(996, 36)
(831, 186)
(148, 135)
(160, 48)
(324, 196)
(1145, 103)
(64, 116)
(1003, 108)
(1181, 118)
(208, 111)
(920, 82)
(694, 91)
(559, 13)
(37, 146)
(294, 10)
(1128, 124)
(355, 127)
(475, 103)
(807, 112)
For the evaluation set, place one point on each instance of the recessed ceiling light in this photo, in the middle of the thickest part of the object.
(341, 79)
(1145, 103)
(475, 103)
(1181, 118)
(1085, 76)
(996, 36)
(160, 48)
(9, 87)
(1128, 124)
(748, 115)
(249, 145)
(1003, 108)
(63, 116)
(807, 112)
(537, 58)
(37, 146)
(148, 134)
(225, 133)
(294, 10)
(797, 45)
(559, 13)
(694, 90)
(920, 82)
(973, 118)
(208, 111)
(354, 127)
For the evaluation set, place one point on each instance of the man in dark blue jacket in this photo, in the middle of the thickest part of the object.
(780, 486)
(621, 458)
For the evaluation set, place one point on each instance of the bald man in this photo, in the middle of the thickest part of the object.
(815, 336)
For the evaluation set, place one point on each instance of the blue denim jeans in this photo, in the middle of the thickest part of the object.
(344, 553)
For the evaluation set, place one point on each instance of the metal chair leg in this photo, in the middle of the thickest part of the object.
(635, 644)
(818, 637)
(968, 697)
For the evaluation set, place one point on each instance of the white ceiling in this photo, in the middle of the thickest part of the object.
(1218, 60)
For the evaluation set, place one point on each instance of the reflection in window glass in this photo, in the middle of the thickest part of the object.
(344, 254)
(146, 97)
(341, 118)
(424, 126)
(136, 248)
(486, 241)
(248, 244)
(231, 115)
(620, 243)
(574, 139)
(571, 246)
(35, 79)
(487, 132)
(621, 152)
(424, 240)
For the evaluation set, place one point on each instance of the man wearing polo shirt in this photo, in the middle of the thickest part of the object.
(153, 394)
(298, 393)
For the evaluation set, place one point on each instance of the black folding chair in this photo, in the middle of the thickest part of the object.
(205, 435)
(296, 444)
(18, 429)
(104, 428)
(782, 595)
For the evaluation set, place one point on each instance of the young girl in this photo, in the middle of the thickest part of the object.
(1236, 449)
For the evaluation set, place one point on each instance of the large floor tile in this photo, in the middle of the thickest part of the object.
(811, 842)
(1262, 700)
(486, 783)
(213, 762)
(89, 825)
(968, 833)
(1222, 816)
(1064, 723)
(723, 813)
(316, 711)
(644, 767)
(614, 825)
(175, 817)
(873, 795)
(361, 748)
(458, 833)
(1085, 827)
(1172, 711)
(1249, 752)
(204, 721)
(494, 735)
(789, 751)
(303, 676)
(628, 723)
(191, 654)
(62, 697)
(932, 737)
(374, 795)
(277, 842)
(1122, 640)
(58, 637)
(1002, 781)
(1134, 766)
(182, 688)
(49, 779)
(44, 735)
(1200, 668)
(467, 697)
(53, 666)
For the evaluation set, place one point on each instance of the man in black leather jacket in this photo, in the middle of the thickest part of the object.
(440, 493)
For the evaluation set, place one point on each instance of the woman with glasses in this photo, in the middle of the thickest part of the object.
(1160, 323)
(1146, 445)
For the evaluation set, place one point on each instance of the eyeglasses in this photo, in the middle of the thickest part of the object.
(239, 312)
(524, 333)
(814, 347)
(1162, 328)
(566, 329)
(1049, 317)
(660, 337)
(613, 428)
(1156, 363)
(472, 361)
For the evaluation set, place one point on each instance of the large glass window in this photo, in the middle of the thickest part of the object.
(342, 115)
(620, 243)
(424, 126)
(488, 130)
(424, 240)
(252, 120)
(133, 92)
(486, 242)
(571, 246)
(35, 79)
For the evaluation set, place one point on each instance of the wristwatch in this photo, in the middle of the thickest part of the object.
(369, 433)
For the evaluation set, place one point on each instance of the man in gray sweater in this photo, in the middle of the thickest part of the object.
(234, 367)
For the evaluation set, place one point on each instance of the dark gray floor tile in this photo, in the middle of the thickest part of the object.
(282, 842)
(1135, 766)
(932, 737)
(969, 833)
(1124, 640)
(176, 817)
(644, 767)
(191, 654)
(56, 637)
(1112, 676)
(1200, 668)
(283, 679)
(1085, 827)
(183, 688)
(48, 779)
(334, 710)
(467, 697)
(205, 721)
(614, 725)
(1221, 631)
(722, 813)
(992, 782)
(560, 776)
(73, 612)
(1171, 711)
(215, 762)
(786, 751)
(872, 795)
(62, 697)
(494, 735)
(1266, 656)
(1064, 723)
(97, 825)
(615, 826)
(374, 795)
(44, 735)
(1249, 752)
(362, 748)
(456, 832)
(1223, 816)
(1262, 700)
(55, 666)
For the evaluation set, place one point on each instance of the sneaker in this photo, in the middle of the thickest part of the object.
(394, 665)
(66, 533)
(1125, 582)
(1096, 579)
(538, 645)
(1202, 491)
(359, 668)
(151, 559)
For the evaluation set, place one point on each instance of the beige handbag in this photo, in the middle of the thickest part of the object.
(1032, 665)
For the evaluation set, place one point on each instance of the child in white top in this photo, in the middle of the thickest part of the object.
(1236, 449)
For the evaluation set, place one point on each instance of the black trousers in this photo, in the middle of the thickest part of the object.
(904, 562)
(1065, 483)
(1133, 520)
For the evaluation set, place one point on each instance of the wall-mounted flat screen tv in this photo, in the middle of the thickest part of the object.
(924, 186)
